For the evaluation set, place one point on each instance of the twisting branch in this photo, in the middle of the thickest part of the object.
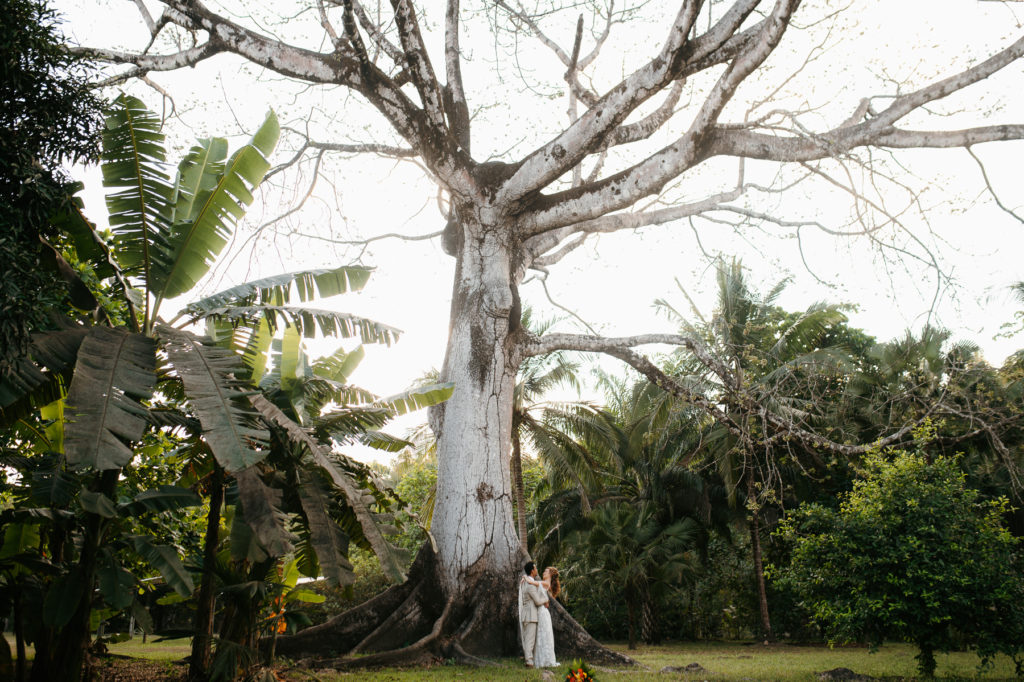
(542, 278)
(783, 429)
(385, 150)
(644, 128)
(622, 348)
(547, 260)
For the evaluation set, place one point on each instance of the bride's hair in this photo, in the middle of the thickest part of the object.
(556, 586)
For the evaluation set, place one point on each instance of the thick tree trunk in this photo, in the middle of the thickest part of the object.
(472, 521)
(461, 602)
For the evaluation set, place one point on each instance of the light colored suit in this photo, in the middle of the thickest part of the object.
(531, 598)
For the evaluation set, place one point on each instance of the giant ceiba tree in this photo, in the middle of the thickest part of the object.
(703, 94)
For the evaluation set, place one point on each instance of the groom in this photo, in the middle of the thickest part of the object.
(531, 597)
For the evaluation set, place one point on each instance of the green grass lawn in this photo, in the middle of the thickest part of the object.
(172, 650)
(721, 660)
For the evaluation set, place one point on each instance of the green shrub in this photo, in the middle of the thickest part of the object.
(911, 554)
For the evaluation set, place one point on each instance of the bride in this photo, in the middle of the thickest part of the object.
(544, 654)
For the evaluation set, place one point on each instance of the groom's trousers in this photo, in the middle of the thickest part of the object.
(529, 641)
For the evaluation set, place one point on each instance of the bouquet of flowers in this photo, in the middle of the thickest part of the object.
(579, 672)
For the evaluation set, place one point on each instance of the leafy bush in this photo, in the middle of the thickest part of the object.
(911, 554)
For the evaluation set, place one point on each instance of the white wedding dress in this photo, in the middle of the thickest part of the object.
(544, 653)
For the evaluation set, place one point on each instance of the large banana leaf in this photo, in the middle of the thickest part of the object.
(277, 290)
(39, 379)
(392, 559)
(329, 541)
(308, 321)
(133, 163)
(379, 440)
(160, 499)
(232, 428)
(89, 246)
(115, 372)
(164, 558)
(260, 505)
(339, 365)
(198, 173)
(117, 585)
(346, 424)
(208, 204)
(418, 398)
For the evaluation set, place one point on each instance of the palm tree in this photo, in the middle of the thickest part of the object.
(628, 550)
(631, 454)
(764, 366)
(537, 376)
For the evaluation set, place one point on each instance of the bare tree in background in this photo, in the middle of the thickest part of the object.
(630, 156)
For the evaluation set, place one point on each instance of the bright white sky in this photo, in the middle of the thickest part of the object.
(612, 281)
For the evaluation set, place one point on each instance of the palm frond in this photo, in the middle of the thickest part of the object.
(115, 372)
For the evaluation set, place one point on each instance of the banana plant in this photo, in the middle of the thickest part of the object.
(111, 380)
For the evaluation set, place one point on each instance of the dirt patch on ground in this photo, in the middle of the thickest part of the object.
(140, 670)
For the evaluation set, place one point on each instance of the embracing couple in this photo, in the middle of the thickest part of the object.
(534, 615)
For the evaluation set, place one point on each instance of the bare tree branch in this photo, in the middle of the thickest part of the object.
(328, 27)
(146, 16)
(991, 190)
(455, 95)
(379, 39)
(644, 128)
(648, 176)
(541, 243)
(571, 146)
(418, 62)
(782, 428)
